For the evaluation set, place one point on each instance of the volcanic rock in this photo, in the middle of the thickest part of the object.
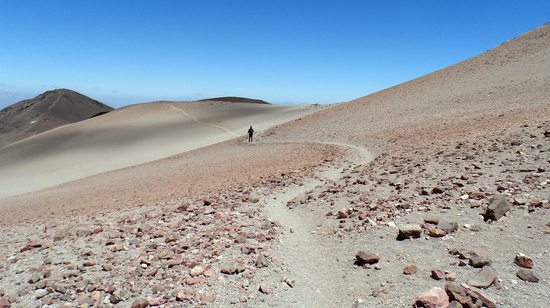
(523, 260)
(527, 275)
(435, 298)
(409, 231)
(484, 278)
(498, 206)
(363, 257)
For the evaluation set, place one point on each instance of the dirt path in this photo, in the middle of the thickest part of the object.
(225, 129)
(316, 267)
(56, 101)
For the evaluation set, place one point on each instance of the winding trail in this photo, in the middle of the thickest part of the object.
(56, 101)
(225, 129)
(319, 274)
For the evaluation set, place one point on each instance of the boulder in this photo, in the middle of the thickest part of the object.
(528, 275)
(498, 206)
(363, 257)
(435, 298)
(484, 278)
(409, 231)
(523, 260)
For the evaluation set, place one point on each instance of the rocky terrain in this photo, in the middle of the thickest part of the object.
(434, 193)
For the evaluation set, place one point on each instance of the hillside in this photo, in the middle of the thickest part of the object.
(236, 99)
(432, 193)
(48, 110)
(129, 136)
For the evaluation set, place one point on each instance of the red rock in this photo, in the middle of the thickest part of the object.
(523, 260)
(435, 298)
(140, 303)
(437, 190)
(4, 302)
(264, 289)
(410, 270)
(366, 258)
(436, 232)
(195, 280)
(437, 274)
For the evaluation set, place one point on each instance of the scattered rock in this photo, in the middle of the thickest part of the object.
(435, 298)
(410, 270)
(479, 261)
(265, 289)
(523, 260)
(448, 226)
(140, 303)
(481, 296)
(528, 275)
(409, 231)
(363, 257)
(196, 270)
(437, 190)
(290, 282)
(498, 206)
(437, 274)
(431, 220)
(436, 232)
(4, 302)
(451, 276)
(484, 278)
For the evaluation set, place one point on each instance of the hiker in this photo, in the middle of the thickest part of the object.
(250, 134)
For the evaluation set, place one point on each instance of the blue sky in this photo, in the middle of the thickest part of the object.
(123, 52)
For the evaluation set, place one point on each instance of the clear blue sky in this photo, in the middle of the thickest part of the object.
(290, 51)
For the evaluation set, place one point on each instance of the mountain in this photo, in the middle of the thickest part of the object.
(235, 99)
(130, 136)
(48, 110)
(503, 85)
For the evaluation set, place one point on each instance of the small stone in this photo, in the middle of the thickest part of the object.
(437, 190)
(460, 294)
(484, 278)
(264, 289)
(342, 214)
(436, 232)
(479, 261)
(196, 280)
(140, 303)
(451, 276)
(435, 298)
(4, 302)
(34, 278)
(437, 274)
(410, 270)
(196, 270)
(481, 296)
(523, 260)
(261, 261)
(528, 275)
(431, 220)
(448, 226)
(409, 231)
(40, 293)
(366, 258)
(84, 299)
(498, 206)
(290, 282)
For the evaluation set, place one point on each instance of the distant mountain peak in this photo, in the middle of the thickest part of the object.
(48, 110)
(235, 99)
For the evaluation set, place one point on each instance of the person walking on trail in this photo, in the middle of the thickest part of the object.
(250, 134)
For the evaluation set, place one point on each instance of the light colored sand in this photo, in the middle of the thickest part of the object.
(130, 136)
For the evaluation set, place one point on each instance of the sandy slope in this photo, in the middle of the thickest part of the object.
(130, 136)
